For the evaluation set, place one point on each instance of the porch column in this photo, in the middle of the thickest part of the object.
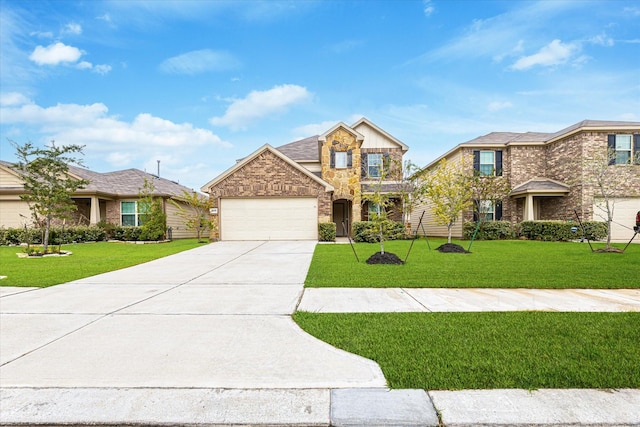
(94, 213)
(528, 208)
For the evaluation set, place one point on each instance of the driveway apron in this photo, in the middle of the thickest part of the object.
(213, 317)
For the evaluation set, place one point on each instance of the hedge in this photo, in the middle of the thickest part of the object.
(77, 234)
(366, 231)
(550, 231)
(327, 231)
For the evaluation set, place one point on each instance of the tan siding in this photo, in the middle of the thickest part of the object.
(14, 214)
(177, 223)
(8, 179)
(431, 227)
(373, 139)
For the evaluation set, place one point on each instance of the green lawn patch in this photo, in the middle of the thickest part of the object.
(492, 264)
(442, 351)
(88, 259)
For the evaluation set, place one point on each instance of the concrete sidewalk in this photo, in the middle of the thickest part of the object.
(205, 337)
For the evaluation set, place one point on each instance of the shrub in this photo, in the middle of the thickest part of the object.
(562, 230)
(327, 231)
(366, 231)
(490, 230)
(57, 235)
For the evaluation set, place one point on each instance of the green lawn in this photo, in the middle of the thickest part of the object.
(441, 351)
(491, 264)
(88, 259)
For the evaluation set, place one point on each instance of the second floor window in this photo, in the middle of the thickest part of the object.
(624, 149)
(341, 159)
(488, 162)
(374, 165)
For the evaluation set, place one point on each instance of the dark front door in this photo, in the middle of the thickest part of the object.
(341, 217)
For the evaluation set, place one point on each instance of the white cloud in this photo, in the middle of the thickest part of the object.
(102, 69)
(91, 125)
(555, 53)
(84, 65)
(260, 104)
(313, 129)
(602, 40)
(499, 105)
(72, 28)
(13, 99)
(199, 61)
(428, 7)
(55, 54)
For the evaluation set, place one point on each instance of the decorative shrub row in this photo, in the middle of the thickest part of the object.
(78, 234)
(562, 230)
(366, 231)
(327, 231)
(491, 230)
(550, 231)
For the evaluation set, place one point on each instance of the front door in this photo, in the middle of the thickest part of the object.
(341, 216)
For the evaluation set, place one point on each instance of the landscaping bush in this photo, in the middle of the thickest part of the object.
(327, 231)
(57, 235)
(562, 230)
(490, 230)
(366, 231)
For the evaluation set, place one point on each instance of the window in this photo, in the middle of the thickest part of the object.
(488, 163)
(341, 160)
(624, 149)
(373, 209)
(487, 210)
(130, 214)
(374, 165)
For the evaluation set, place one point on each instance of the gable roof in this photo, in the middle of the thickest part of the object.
(367, 122)
(540, 185)
(356, 134)
(205, 188)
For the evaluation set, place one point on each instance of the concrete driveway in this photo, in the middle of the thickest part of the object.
(213, 317)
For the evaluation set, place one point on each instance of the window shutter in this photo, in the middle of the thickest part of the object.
(636, 148)
(365, 164)
(476, 209)
(332, 159)
(611, 146)
(498, 162)
(350, 158)
(498, 210)
(476, 160)
(386, 163)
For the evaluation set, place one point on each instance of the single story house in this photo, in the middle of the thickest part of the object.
(283, 193)
(111, 197)
(548, 176)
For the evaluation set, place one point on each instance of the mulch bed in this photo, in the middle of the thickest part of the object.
(610, 250)
(384, 258)
(452, 248)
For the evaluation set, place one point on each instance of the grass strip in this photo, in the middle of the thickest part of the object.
(451, 351)
(492, 264)
(88, 259)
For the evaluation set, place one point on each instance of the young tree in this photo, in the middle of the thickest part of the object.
(448, 187)
(153, 220)
(491, 189)
(47, 184)
(196, 213)
(600, 173)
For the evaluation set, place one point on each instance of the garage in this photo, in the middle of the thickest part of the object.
(269, 218)
(624, 218)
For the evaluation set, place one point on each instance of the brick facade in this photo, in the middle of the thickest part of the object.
(267, 175)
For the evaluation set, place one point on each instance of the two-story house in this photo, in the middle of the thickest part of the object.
(283, 193)
(548, 176)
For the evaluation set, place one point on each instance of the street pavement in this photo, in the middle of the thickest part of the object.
(205, 337)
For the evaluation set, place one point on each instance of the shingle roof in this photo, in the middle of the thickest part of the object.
(304, 149)
(124, 183)
(540, 185)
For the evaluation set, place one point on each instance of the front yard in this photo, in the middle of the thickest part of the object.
(440, 351)
(491, 264)
(87, 260)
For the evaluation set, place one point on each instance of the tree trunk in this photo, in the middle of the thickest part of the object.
(449, 227)
(45, 239)
(381, 241)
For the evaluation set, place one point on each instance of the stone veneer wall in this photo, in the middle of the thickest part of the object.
(346, 182)
(269, 175)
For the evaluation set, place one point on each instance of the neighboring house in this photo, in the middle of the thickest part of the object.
(283, 193)
(111, 197)
(547, 175)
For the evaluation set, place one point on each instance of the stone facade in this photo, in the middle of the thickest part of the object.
(267, 175)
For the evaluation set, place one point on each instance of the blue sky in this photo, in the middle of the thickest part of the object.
(199, 84)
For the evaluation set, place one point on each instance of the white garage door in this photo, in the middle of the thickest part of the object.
(269, 219)
(624, 217)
